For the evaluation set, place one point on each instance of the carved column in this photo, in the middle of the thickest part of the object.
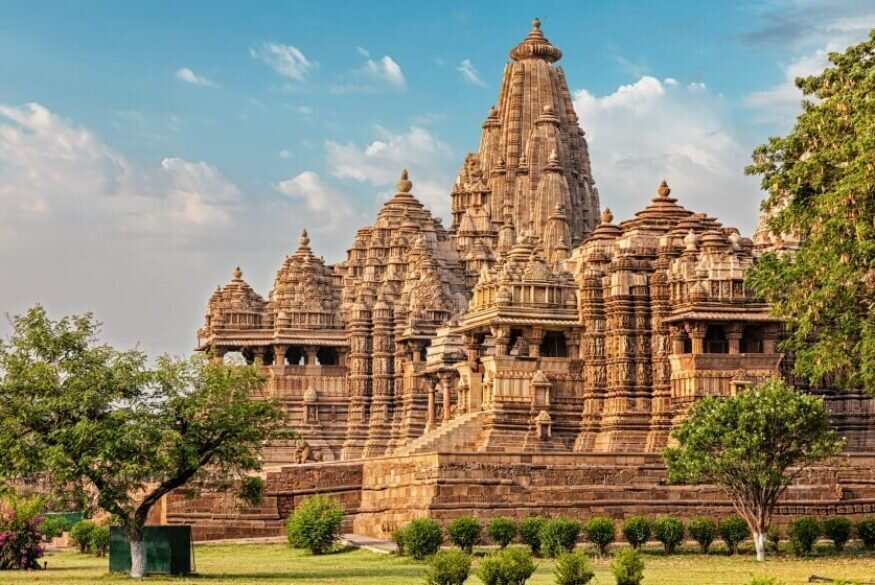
(380, 425)
(697, 332)
(279, 355)
(734, 332)
(502, 338)
(536, 335)
(770, 338)
(429, 421)
(310, 353)
(446, 385)
(359, 382)
(678, 335)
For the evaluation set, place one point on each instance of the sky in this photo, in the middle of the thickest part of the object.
(147, 148)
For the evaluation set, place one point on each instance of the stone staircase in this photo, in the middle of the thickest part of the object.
(459, 434)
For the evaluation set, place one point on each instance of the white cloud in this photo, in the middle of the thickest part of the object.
(373, 76)
(816, 31)
(286, 154)
(650, 130)
(309, 187)
(431, 163)
(470, 73)
(363, 52)
(199, 194)
(286, 60)
(187, 75)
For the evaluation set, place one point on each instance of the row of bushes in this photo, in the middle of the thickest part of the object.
(514, 566)
(422, 538)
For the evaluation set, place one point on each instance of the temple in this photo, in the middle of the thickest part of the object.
(534, 354)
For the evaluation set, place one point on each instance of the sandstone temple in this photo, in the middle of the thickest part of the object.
(532, 357)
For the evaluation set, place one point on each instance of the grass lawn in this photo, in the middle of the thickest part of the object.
(262, 563)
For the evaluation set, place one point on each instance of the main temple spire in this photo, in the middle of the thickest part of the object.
(536, 46)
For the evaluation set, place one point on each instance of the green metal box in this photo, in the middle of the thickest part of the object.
(168, 550)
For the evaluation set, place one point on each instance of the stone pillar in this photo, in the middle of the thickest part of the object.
(697, 335)
(310, 353)
(734, 332)
(770, 338)
(445, 386)
(219, 354)
(502, 338)
(677, 339)
(534, 338)
(429, 421)
(279, 355)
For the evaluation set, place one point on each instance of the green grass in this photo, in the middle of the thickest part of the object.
(257, 563)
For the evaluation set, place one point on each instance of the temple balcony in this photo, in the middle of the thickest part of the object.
(694, 375)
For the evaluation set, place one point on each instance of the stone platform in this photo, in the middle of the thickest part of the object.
(382, 494)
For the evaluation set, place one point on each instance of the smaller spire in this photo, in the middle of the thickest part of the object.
(237, 274)
(404, 185)
(664, 190)
(607, 216)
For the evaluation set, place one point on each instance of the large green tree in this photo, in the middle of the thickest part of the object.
(120, 433)
(753, 445)
(820, 180)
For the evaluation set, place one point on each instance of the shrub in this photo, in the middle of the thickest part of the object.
(530, 533)
(733, 529)
(315, 525)
(80, 535)
(422, 538)
(502, 531)
(803, 534)
(628, 567)
(509, 566)
(773, 537)
(838, 529)
(702, 529)
(865, 529)
(99, 540)
(464, 532)
(448, 567)
(636, 531)
(20, 538)
(558, 535)
(669, 531)
(398, 538)
(764, 581)
(573, 568)
(54, 526)
(600, 532)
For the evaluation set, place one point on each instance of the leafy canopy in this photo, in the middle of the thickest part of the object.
(821, 184)
(119, 434)
(753, 445)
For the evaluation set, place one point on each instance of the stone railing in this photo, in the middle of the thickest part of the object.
(699, 374)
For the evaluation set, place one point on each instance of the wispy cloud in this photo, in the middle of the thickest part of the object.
(187, 75)
(286, 60)
(375, 75)
(470, 73)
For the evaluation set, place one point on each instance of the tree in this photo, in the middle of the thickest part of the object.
(753, 445)
(120, 434)
(820, 180)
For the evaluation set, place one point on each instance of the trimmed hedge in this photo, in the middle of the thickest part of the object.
(423, 538)
(559, 535)
(702, 529)
(669, 531)
(636, 531)
(530, 533)
(733, 530)
(628, 567)
(315, 525)
(464, 532)
(448, 567)
(502, 531)
(600, 532)
(509, 566)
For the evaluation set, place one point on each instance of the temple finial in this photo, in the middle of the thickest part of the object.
(237, 274)
(304, 240)
(404, 184)
(664, 190)
(536, 23)
(607, 215)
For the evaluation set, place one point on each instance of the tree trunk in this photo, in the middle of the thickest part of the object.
(759, 541)
(138, 558)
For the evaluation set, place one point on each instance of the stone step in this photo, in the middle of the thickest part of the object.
(461, 432)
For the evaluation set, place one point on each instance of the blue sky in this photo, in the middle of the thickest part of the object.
(147, 148)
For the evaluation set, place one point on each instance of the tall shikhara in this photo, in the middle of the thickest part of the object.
(533, 163)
